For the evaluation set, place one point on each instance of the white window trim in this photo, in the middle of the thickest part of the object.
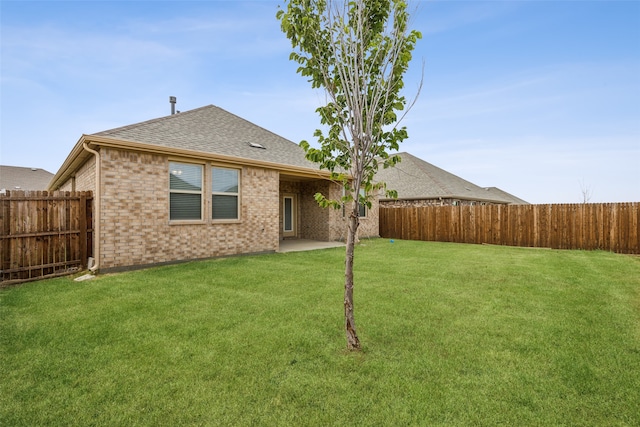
(201, 192)
(214, 193)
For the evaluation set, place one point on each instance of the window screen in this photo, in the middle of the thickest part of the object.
(225, 191)
(185, 191)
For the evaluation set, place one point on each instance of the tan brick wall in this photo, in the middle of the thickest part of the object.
(315, 223)
(325, 224)
(337, 217)
(369, 225)
(67, 186)
(85, 177)
(312, 220)
(135, 228)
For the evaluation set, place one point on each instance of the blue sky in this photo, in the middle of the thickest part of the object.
(538, 98)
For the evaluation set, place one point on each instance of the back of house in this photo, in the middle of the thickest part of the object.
(199, 184)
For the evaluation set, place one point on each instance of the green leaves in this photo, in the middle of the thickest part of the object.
(323, 202)
(358, 51)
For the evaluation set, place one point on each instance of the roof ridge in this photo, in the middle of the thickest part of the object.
(462, 180)
(31, 168)
(212, 130)
(421, 165)
(253, 124)
(182, 114)
(155, 120)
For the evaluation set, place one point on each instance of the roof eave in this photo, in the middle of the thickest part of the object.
(76, 158)
(79, 155)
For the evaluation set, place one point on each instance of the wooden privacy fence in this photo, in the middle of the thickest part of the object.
(44, 234)
(607, 226)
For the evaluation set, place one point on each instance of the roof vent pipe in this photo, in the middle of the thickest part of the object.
(172, 101)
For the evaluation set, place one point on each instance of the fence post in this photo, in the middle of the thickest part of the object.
(606, 226)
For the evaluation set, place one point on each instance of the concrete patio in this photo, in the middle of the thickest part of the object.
(297, 245)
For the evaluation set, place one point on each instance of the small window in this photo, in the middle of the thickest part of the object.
(362, 208)
(225, 193)
(185, 191)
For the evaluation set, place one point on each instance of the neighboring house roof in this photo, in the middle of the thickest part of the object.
(21, 178)
(208, 132)
(506, 196)
(415, 179)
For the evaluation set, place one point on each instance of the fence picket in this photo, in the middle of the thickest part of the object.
(607, 226)
(43, 234)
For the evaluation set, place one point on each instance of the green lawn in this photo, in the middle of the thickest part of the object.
(452, 335)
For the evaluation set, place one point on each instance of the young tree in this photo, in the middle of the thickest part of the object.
(358, 51)
(586, 191)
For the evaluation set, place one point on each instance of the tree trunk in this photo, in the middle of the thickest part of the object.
(353, 343)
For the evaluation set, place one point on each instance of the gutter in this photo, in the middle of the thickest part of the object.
(201, 155)
(96, 229)
(79, 155)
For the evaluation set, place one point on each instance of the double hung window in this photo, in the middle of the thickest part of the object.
(187, 188)
(225, 193)
(185, 191)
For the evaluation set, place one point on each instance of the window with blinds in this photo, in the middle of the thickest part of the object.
(185, 191)
(225, 193)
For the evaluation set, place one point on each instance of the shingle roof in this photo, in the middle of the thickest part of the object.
(413, 178)
(21, 178)
(213, 130)
(506, 196)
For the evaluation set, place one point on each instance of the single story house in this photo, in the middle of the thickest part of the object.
(199, 184)
(23, 179)
(420, 183)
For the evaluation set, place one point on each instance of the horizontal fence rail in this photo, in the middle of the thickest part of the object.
(44, 234)
(606, 226)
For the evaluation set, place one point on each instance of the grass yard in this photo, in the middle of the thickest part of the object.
(453, 335)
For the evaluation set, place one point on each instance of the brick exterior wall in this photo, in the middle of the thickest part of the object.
(316, 220)
(311, 220)
(134, 222)
(135, 227)
(369, 225)
(324, 224)
(85, 178)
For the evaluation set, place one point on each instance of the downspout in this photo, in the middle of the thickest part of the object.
(96, 228)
